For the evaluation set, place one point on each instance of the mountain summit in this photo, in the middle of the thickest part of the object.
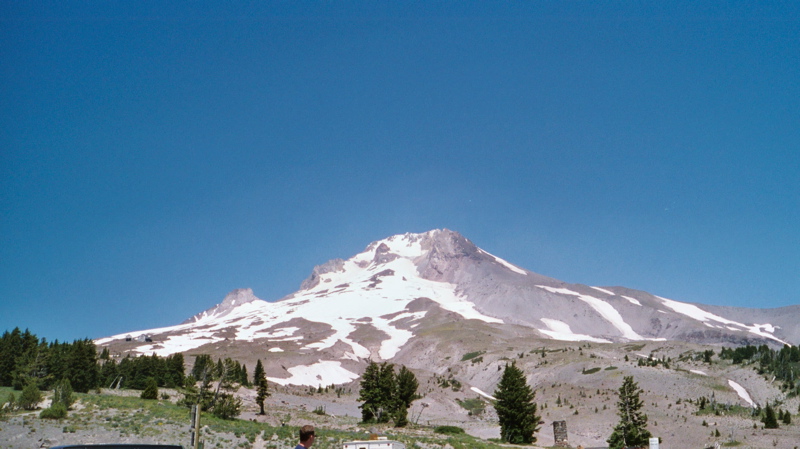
(399, 291)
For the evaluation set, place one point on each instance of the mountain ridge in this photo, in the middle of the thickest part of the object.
(377, 304)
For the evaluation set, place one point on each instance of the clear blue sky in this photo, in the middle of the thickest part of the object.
(156, 155)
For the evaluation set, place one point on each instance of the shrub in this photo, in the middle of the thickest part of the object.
(227, 407)
(475, 406)
(55, 411)
(62, 394)
(11, 403)
(471, 355)
(448, 430)
(30, 397)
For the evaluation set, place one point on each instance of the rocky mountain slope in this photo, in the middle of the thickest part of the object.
(456, 315)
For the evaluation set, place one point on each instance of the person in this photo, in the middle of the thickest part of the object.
(306, 437)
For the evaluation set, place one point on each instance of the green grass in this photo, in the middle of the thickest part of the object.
(634, 347)
(734, 410)
(474, 406)
(471, 355)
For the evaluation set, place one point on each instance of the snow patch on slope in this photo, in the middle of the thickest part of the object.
(560, 330)
(486, 395)
(692, 311)
(607, 292)
(506, 264)
(633, 301)
(321, 373)
(741, 392)
(605, 310)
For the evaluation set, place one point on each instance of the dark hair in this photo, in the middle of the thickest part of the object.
(306, 432)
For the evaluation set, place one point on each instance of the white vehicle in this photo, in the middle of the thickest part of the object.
(380, 443)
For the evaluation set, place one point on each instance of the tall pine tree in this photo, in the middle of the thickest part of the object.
(631, 431)
(260, 381)
(516, 410)
(405, 393)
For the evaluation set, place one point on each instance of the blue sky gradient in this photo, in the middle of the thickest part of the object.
(156, 155)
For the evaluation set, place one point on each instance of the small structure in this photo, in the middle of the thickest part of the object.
(560, 433)
(379, 443)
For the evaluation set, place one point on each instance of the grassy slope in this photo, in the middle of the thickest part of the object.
(112, 418)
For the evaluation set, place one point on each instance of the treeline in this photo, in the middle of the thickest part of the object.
(134, 372)
(784, 364)
(27, 360)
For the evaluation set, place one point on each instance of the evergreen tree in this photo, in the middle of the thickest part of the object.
(770, 420)
(516, 410)
(10, 350)
(377, 393)
(369, 393)
(787, 417)
(258, 373)
(260, 380)
(202, 367)
(81, 366)
(31, 365)
(632, 428)
(243, 378)
(220, 371)
(175, 371)
(151, 389)
(405, 393)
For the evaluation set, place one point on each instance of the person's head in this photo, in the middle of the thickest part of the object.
(307, 435)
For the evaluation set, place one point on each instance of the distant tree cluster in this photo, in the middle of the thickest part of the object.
(27, 360)
(205, 367)
(228, 375)
(387, 396)
(773, 416)
(783, 364)
(654, 361)
(136, 372)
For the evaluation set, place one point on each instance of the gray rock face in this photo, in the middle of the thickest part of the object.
(234, 299)
(328, 267)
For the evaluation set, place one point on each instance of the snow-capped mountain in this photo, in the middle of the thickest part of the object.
(409, 293)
